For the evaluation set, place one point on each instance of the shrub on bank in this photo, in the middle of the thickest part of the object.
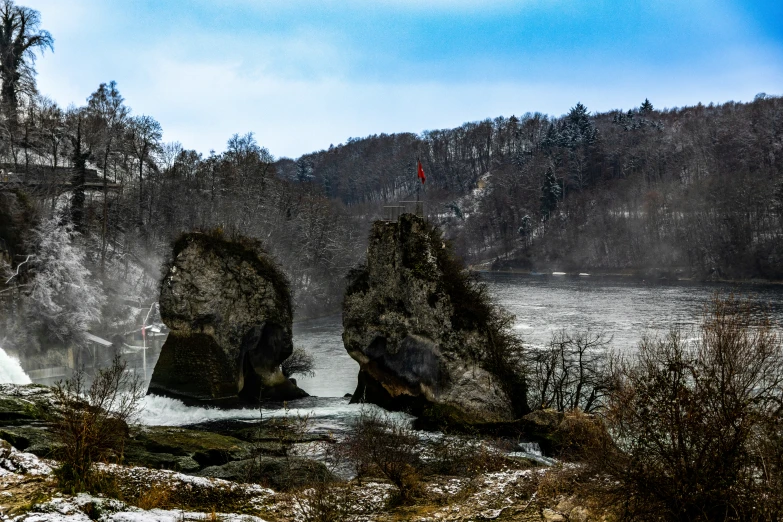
(91, 423)
(697, 426)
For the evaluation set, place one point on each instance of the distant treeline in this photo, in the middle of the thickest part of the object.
(698, 189)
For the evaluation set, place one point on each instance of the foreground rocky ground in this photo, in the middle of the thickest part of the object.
(28, 494)
(232, 472)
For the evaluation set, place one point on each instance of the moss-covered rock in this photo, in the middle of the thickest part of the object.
(273, 472)
(22, 403)
(425, 334)
(229, 310)
(35, 439)
(179, 448)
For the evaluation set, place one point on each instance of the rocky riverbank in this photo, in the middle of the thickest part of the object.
(236, 470)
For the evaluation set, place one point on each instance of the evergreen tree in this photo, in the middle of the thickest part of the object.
(550, 193)
(646, 107)
(304, 170)
(80, 153)
(579, 126)
(63, 300)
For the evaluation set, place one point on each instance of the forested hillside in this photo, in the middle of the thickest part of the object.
(91, 194)
(698, 189)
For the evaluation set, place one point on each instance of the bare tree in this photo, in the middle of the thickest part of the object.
(108, 115)
(697, 427)
(144, 134)
(20, 38)
(573, 372)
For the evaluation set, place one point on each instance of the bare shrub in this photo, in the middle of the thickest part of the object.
(571, 373)
(325, 502)
(299, 362)
(582, 437)
(380, 444)
(295, 469)
(464, 456)
(697, 427)
(572, 493)
(91, 423)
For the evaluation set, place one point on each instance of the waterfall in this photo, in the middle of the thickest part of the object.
(532, 451)
(11, 371)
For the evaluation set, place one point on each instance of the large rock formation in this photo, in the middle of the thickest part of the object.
(229, 310)
(425, 335)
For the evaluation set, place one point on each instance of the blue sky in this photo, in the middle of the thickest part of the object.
(304, 74)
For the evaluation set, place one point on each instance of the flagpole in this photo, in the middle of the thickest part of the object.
(418, 188)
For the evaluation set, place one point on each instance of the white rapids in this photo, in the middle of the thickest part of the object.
(322, 414)
(11, 371)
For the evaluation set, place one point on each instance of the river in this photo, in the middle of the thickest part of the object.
(623, 309)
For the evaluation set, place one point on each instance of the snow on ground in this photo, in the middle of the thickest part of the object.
(15, 462)
(85, 508)
(25, 479)
(18, 469)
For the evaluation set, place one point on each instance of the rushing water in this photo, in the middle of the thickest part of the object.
(323, 415)
(335, 371)
(623, 309)
(11, 371)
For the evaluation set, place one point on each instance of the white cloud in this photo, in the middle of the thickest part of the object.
(202, 104)
(297, 90)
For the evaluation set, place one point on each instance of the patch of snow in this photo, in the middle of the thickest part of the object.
(13, 461)
(74, 509)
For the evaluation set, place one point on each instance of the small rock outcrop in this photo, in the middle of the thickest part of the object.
(424, 333)
(229, 310)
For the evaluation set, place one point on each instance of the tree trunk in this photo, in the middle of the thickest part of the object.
(104, 228)
(77, 182)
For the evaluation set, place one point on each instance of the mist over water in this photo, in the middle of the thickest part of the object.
(11, 371)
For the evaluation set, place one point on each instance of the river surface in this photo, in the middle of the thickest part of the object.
(623, 309)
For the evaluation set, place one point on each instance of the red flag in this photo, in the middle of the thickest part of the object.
(422, 177)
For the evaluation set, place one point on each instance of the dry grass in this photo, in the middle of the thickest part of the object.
(157, 496)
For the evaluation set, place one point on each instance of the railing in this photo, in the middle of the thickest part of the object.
(393, 212)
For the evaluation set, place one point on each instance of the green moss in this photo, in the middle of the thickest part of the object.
(180, 441)
(14, 409)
